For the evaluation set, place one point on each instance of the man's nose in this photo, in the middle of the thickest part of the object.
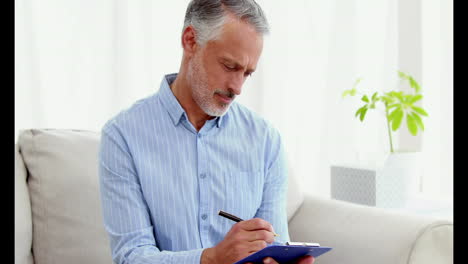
(236, 82)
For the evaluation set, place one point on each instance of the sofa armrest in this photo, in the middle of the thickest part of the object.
(23, 218)
(369, 235)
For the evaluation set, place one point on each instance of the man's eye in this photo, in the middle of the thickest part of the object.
(229, 68)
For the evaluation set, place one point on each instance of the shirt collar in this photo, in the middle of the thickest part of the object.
(170, 102)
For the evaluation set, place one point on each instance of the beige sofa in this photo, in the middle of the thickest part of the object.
(58, 214)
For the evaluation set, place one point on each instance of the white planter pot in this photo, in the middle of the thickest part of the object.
(390, 186)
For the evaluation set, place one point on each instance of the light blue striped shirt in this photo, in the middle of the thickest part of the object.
(162, 183)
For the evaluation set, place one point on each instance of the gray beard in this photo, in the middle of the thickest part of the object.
(200, 92)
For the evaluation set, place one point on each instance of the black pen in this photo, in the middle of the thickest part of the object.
(234, 218)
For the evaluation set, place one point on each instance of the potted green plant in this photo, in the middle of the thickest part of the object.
(398, 106)
(391, 185)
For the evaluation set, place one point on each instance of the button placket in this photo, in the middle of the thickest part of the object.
(204, 191)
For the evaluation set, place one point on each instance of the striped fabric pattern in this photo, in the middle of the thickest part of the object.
(162, 182)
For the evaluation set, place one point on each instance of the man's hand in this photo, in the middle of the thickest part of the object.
(244, 238)
(303, 260)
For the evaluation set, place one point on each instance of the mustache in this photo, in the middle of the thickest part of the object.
(226, 93)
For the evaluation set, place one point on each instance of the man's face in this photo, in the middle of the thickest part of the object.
(218, 69)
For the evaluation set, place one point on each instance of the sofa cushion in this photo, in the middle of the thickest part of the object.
(23, 225)
(64, 189)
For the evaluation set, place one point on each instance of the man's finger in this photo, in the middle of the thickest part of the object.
(306, 260)
(255, 224)
(269, 260)
(261, 235)
(256, 246)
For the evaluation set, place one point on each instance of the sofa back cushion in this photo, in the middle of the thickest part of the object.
(64, 190)
(295, 193)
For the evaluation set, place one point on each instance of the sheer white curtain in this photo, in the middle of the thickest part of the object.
(78, 62)
(316, 50)
(437, 69)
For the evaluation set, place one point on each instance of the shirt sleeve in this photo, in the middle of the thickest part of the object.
(273, 206)
(125, 213)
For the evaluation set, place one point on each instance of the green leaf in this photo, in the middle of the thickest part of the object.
(357, 82)
(374, 96)
(363, 113)
(349, 92)
(419, 110)
(358, 112)
(398, 95)
(402, 75)
(414, 84)
(365, 99)
(387, 99)
(407, 98)
(394, 105)
(396, 119)
(394, 113)
(391, 96)
(415, 98)
(418, 120)
(412, 126)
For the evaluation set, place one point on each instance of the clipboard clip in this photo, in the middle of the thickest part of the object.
(305, 244)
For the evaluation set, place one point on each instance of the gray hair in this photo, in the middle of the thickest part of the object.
(208, 16)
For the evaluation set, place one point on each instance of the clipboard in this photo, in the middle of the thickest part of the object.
(284, 253)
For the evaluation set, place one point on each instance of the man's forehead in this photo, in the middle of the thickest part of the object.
(239, 43)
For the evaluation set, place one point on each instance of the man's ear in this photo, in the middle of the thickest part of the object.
(189, 43)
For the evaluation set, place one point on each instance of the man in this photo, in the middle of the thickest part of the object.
(170, 162)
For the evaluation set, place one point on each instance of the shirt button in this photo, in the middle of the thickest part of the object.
(204, 216)
(203, 175)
